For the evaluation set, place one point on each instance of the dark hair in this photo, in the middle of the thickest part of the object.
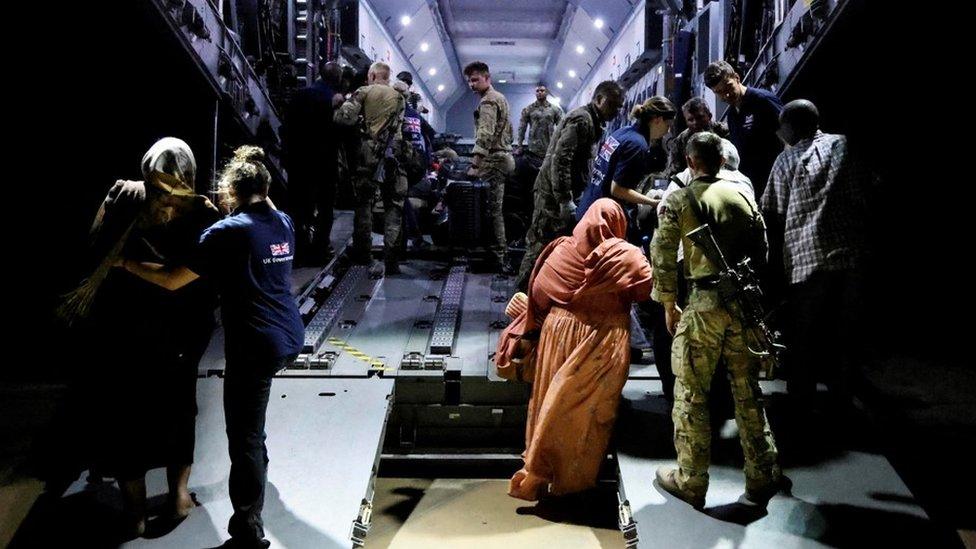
(706, 149)
(608, 89)
(801, 115)
(413, 99)
(331, 74)
(476, 66)
(405, 77)
(718, 71)
(657, 105)
(696, 105)
(245, 175)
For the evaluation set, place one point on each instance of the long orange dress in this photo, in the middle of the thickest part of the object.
(580, 293)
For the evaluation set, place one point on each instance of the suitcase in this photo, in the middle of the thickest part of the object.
(467, 203)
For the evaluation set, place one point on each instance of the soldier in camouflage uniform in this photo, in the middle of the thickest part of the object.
(710, 328)
(378, 108)
(540, 117)
(568, 161)
(493, 161)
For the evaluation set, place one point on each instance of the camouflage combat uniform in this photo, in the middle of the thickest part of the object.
(568, 160)
(710, 329)
(381, 108)
(493, 142)
(541, 120)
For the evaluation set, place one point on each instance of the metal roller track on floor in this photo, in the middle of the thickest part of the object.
(324, 280)
(448, 311)
(314, 359)
(417, 359)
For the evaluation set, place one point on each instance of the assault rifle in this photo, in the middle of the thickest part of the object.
(739, 287)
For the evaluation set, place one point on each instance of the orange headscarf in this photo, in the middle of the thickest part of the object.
(595, 260)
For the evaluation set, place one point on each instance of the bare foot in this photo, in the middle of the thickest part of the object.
(134, 528)
(183, 505)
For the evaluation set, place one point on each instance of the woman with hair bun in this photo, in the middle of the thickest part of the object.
(248, 256)
(623, 157)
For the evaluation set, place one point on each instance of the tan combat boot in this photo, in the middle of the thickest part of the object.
(666, 478)
(761, 496)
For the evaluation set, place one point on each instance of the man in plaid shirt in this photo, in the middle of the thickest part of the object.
(815, 202)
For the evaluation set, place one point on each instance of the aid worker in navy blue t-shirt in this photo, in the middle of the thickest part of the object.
(623, 158)
(248, 256)
(753, 120)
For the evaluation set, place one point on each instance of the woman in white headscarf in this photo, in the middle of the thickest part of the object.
(146, 342)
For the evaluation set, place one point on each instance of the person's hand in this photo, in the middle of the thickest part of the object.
(474, 171)
(672, 316)
(567, 212)
(338, 99)
(517, 305)
(119, 262)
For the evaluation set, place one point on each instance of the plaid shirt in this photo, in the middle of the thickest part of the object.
(816, 191)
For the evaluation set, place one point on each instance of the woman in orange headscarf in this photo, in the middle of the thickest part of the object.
(580, 295)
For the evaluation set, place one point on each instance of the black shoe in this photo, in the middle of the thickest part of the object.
(392, 268)
(358, 258)
(420, 245)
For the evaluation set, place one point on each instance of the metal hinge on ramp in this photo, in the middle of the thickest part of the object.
(627, 524)
(360, 526)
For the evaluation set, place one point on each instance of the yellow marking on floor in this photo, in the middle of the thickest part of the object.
(374, 364)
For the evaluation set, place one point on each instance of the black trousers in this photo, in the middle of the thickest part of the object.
(247, 387)
(311, 206)
(822, 335)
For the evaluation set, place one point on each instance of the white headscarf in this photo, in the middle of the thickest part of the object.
(170, 156)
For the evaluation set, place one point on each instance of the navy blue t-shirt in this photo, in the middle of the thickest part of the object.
(249, 257)
(622, 158)
(413, 131)
(752, 129)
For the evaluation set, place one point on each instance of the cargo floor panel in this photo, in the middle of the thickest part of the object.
(844, 494)
(323, 443)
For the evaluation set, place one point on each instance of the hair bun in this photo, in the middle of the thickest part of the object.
(249, 153)
(653, 106)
